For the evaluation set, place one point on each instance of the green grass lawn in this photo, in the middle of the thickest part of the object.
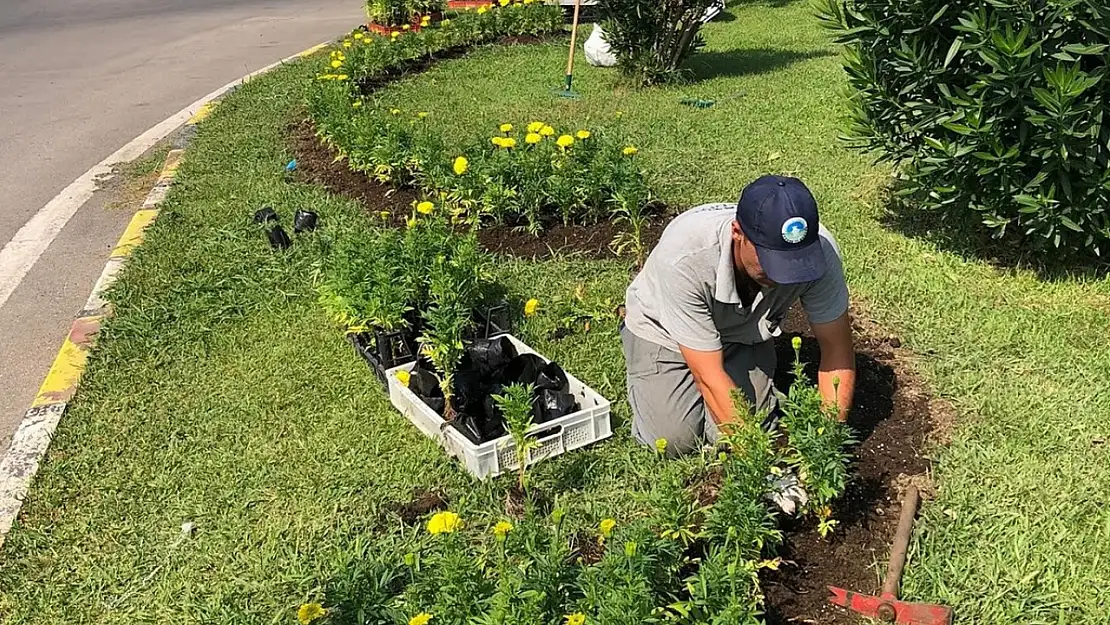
(221, 395)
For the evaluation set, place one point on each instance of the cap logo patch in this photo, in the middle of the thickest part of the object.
(794, 230)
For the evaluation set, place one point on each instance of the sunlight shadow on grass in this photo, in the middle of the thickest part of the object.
(717, 64)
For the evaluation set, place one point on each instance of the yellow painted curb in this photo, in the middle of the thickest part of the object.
(201, 114)
(135, 231)
(61, 382)
(313, 50)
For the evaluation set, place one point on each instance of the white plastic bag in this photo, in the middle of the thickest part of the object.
(597, 49)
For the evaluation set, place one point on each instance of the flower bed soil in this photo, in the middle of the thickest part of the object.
(895, 419)
(894, 416)
(316, 164)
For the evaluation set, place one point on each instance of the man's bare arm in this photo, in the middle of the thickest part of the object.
(838, 363)
(713, 382)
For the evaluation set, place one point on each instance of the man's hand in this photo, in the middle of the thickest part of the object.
(713, 382)
(836, 375)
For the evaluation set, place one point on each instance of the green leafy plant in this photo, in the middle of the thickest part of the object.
(515, 404)
(817, 444)
(994, 110)
(652, 39)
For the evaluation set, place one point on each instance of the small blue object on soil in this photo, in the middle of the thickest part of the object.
(292, 165)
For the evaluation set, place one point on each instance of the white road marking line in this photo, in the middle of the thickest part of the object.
(32, 240)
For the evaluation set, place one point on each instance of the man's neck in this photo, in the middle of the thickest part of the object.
(746, 288)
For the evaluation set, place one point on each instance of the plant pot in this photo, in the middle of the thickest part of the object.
(304, 221)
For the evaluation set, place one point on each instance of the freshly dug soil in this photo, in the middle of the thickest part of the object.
(316, 164)
(893, 418)
(423, 503)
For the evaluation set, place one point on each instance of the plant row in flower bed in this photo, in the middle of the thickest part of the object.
(694, 558)
(525, 172)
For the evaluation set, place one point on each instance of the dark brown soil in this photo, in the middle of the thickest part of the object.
(585, 548)
(423, 503)
(316, 164)
(706, 488)
(893, 417)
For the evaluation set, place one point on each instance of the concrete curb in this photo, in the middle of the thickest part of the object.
(32, 438)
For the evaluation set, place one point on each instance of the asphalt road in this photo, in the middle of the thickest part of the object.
(78, 80)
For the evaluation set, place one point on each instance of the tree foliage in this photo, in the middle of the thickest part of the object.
(991, 106)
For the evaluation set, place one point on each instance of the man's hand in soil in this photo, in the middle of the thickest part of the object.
(836, 375)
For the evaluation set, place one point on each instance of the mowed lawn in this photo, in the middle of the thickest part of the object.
(222, 396)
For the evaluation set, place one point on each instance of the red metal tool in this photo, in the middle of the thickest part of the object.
(887, 607)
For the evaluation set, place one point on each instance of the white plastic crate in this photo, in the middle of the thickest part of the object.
(557, 436)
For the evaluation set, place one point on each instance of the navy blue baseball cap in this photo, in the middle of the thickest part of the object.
(779, 216)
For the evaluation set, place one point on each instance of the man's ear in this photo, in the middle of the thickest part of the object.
(737, 232)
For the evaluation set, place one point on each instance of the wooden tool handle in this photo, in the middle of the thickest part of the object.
(573, 37)
(901, 543)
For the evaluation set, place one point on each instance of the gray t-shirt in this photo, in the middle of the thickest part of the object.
(686, 293)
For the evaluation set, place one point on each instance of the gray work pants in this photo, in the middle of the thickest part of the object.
(666, 403)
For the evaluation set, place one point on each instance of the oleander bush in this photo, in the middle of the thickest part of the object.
(992, 109)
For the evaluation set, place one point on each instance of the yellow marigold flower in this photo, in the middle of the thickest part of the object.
(529, 1)
(505, 127)
(403, 377)
(394, 35)
(606, 527)
(577, 618)
(337, 63)
(496, 141)
(503, 2)
(346, 44)
(564, 141)
(533, 138)
(358, 35)
(547, 131)
(482, 9)
(582, 134)
(420, 619)
(422, 114)
(310, 612)
(385, 215)
(425, 208)
(394, 111)
(630, 150)
(508, 142)
(342, 77)
(531, 306)
(620, 114)
(661, 445)
(444, 523)
(405, 27)
(424, 21)
(796, 342)
(460, 165)
(356, 103)
(535, 126)
(502, 529)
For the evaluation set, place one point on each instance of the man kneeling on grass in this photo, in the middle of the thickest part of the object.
(702, 313)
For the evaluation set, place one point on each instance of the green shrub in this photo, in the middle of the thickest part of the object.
(652, 38)
(993, 107)
(817, 444)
